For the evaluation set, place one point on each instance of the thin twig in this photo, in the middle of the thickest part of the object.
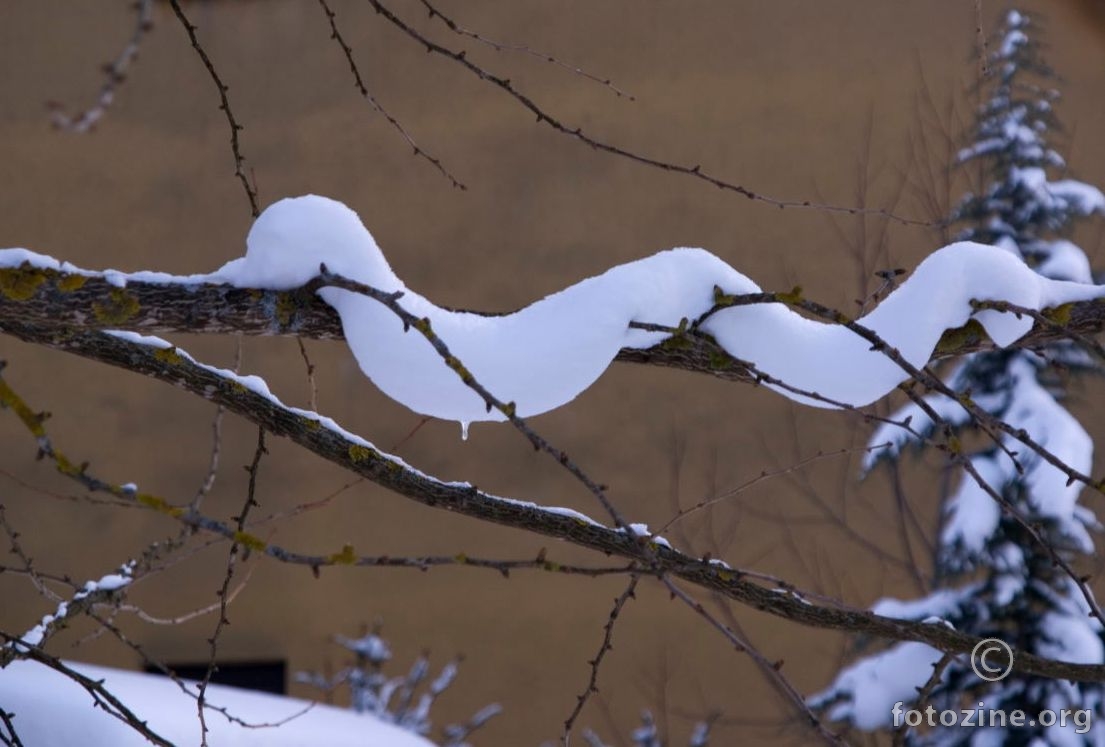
(349, 452)
(596, 663)
(771, 669)
(901, 733)
(358, 81)
(498, 46)
(543, 116)
(312, 385)
(216, 439)
(764, 476)
(115, 73)
(224, 105)
(224, 590)
(100, 694)
(28, 564)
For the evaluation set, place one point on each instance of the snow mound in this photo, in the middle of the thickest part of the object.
(50, 710)
(546, 354)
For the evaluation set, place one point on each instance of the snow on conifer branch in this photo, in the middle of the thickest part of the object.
(1014, 519)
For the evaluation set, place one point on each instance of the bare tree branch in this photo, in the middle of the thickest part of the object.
(604, 648)
(357, 456)
(224, 105)
(46, 297)
(461, 58)
(358, 82)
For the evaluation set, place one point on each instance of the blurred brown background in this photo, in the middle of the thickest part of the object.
(796, 99)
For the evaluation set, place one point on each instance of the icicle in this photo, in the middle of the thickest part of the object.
(464, 430)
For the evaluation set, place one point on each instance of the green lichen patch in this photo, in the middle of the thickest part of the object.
(345, 557)
(955, 340)
(721, 298)
(119, 307)
(70, 283)
(719, 361)
(359, 454)
(158, 504)
(168, 355)
(794, 296)
(21, 283)
(286, 308)
(245, 539)
(1060, 314)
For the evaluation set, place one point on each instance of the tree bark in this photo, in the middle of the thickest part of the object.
(49, 298)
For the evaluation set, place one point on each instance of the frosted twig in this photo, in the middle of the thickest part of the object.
(115, 72)
(224, 105)
(596, 663)
(358, 81)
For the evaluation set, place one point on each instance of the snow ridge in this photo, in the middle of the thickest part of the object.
(546, 354)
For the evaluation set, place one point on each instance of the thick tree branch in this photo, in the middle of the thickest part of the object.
(352, 454)
(46, 297)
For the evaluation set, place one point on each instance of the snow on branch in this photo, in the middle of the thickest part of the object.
(547, 353)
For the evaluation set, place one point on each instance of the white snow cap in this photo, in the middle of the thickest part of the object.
(865, 692)
(51, 709)
(546, 354)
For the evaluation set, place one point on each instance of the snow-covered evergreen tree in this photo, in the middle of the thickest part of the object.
(396, 700)
(648, 734)
(994, 580)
